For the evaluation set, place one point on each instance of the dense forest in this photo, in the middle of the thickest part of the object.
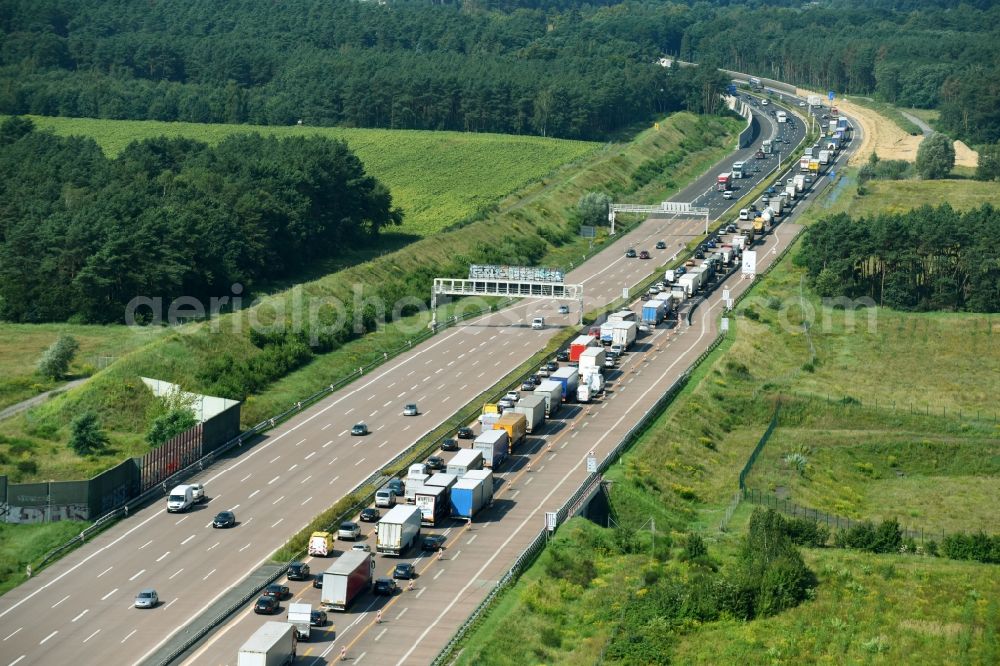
(924, 259)
(562, 68)
(81, 235)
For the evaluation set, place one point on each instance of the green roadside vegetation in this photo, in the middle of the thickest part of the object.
(846, 385)
(21, 545)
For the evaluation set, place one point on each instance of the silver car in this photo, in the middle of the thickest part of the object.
(146, 599)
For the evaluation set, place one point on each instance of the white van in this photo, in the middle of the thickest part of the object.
(538, 323)
(744, 213)
(180, 499)
(385, 497)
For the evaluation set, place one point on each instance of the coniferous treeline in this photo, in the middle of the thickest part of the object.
(924, 259)
(81, 235)
(564, 68)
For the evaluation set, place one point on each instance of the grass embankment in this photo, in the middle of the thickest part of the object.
(437, 178)
(528, 228)
(683, 473)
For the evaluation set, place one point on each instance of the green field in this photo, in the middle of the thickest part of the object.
(928, 480)
(21, 345)
(536, 221)
(869, 609)
(437, 178)
(901, 195)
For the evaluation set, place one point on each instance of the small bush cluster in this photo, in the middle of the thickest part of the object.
(886, 537)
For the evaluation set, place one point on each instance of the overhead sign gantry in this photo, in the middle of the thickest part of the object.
(509, 281)
(672, 209)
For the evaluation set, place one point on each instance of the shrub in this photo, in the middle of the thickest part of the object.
(27, 467)
(55, 361)
(167, 426)
(87, 436)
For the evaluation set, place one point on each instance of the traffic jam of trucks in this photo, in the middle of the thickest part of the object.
(415, 515)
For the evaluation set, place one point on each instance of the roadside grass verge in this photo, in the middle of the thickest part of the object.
(535, 223)
(21, 545)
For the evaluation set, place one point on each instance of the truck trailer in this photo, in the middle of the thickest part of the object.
(468, 496)
(350, 575)
(552, 392)
(569, 378)
(533, 408)
(493, 445)
(653, 312)
(398, 529)
(579, 344)
(592, 359)
(624, 334)
(516, 427)
(273, 643)
(486, 476)
(434, 503)
(465, 460)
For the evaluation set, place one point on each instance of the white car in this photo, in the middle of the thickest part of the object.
(513, 396)
(410, 410)
(727, 194)
(147, 599)
(362, 547)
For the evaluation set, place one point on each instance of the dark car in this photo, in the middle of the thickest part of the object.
(404, 571)
(317, 618)
(224, 519)
(435, 463)
(396, 486)
(551, 366)
(359, 430)
(536, 379)
(644, 255)
(370, 514)
(298, 571)
(630, 253)
(318, 582)
(699, 255)
(660, 245)
(680, 270)
(710, 243)
(528, 386)
(385, 587)
(434, 542)
(266, 606)
(465, 432)
(450, 445)
(562, 355)
(279, 592)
